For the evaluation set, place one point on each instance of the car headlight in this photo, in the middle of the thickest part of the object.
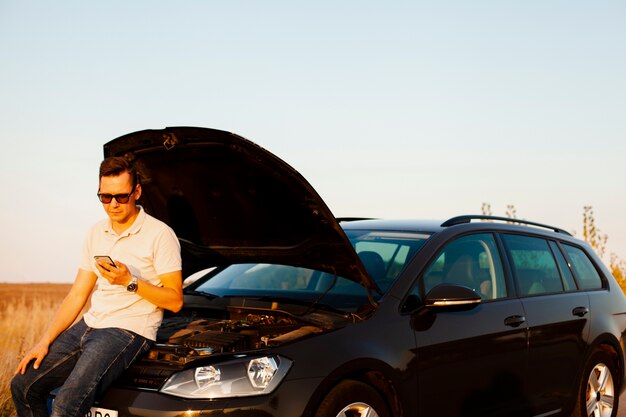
(237, 378)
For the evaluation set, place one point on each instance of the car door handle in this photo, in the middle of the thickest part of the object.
(580, 311)
(514, 321)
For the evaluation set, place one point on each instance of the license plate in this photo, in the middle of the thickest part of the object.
(101, 412)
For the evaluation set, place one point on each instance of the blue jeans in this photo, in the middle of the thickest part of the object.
(83, 362)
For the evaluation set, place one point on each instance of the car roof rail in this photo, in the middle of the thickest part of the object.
(469, 217)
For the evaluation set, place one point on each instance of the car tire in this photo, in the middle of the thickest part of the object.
(598, 393)
(353, 399)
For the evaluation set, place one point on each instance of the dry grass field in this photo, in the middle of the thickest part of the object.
(25, 311)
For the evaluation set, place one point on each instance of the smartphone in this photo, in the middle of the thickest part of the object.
(106, 258)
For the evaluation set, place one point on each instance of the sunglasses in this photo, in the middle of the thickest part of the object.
(120, 198)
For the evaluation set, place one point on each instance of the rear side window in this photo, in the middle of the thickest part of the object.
(533, 264)
(566, 273)
(586, 273)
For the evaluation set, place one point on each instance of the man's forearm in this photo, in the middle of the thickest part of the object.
(169, 295)
(164, 297)
(69, 310)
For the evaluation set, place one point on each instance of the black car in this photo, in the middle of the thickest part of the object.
(302, 314)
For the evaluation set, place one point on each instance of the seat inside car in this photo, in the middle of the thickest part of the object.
(464, 271)
(374, 265)
(462, 267)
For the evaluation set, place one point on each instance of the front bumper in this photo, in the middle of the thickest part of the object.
(290, 399)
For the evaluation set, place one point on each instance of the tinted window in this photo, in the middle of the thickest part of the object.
(533, 264)
(586, 273)
(282, 281)
(385, 253)
(472, 261)
(566, 273)
(233, 279)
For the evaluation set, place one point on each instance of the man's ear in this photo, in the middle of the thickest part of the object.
(138, 192)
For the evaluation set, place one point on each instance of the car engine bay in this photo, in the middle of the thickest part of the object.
(191, 336)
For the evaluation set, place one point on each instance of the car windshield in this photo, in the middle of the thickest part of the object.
(384, 255)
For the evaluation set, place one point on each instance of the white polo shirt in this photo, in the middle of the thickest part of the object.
(149, 248)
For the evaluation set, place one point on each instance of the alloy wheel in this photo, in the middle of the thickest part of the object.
(358, 410)
(600, 392)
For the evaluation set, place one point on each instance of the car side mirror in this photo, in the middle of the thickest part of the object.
(451, 296)
(411, 304)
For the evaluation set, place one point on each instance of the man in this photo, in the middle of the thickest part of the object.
(126, 306)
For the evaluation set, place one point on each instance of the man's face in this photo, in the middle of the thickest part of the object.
(120, 184)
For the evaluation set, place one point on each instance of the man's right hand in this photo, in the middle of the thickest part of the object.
(37, 353)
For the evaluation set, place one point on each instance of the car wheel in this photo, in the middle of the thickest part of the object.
(598, 394)
(352, 399)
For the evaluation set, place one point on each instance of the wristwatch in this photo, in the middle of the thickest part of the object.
(132, 285)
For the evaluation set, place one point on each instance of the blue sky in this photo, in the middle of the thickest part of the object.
(397, 109)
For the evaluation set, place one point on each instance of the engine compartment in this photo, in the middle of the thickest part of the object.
(195, 334)
(244, 330)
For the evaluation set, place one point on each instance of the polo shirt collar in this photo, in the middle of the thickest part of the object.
(134, 228)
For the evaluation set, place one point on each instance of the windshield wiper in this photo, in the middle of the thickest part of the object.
(200, 293)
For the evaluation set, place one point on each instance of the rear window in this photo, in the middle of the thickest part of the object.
(586, 273)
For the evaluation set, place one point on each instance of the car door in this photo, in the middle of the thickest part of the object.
(557, 316)
(471, 361)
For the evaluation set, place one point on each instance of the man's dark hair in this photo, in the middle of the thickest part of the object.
(116, 165)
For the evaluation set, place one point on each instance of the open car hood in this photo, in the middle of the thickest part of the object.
(231, 201)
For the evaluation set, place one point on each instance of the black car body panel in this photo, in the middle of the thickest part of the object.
(439, 340)
(229, 201)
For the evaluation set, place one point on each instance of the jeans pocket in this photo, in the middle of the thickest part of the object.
(131, 335)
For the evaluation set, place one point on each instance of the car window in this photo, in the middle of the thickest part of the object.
(566, 273)
(272, 277)
(280, 281)
(586, 274)
(472, 261)
(385, 253)
(533, 264)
